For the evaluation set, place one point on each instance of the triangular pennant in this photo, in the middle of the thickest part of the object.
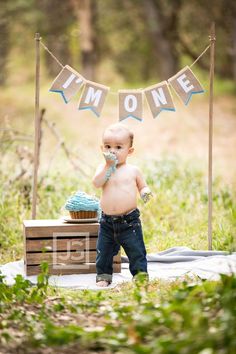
(93, 97)
(130, 104)
(159, 98)
(67, 83)
(185, 84)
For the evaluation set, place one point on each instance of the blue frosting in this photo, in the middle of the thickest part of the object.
(82, 201)
(112, 168)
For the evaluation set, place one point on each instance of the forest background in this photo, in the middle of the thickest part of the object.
(122, 44)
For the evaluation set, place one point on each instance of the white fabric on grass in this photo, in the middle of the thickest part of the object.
(169, 264)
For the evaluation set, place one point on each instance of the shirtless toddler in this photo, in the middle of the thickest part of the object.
(119, 224)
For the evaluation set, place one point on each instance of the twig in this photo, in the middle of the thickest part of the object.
(62, 144)
(19, 138)
(16, 132)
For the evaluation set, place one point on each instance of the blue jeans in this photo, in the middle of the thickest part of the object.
(116, 231)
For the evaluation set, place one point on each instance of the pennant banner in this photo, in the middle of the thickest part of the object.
(93, 97)
(130, 104)
(67, 83)
(185, 84)
(159, 98)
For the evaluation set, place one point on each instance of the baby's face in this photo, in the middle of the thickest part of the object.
(117, 142)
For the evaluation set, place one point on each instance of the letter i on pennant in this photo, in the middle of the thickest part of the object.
(67, 83)
(185, 84)
(130, 104)
(93, 97)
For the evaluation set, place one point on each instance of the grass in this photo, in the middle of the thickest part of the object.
(176, 216)
(187, 317)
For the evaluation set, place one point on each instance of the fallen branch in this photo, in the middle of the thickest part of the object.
(61, 144)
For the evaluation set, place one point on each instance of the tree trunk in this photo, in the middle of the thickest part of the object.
(4, 43)
(234, 49)
(163, 32)
(85, 11)
(57, 17)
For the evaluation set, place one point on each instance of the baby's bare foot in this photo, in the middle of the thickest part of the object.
(102, 283)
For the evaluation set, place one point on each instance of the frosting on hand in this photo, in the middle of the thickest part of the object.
(146, 194)
(111, 157)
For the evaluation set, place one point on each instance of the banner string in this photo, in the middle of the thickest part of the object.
(52, 55)
(115, 92)
(205, 50)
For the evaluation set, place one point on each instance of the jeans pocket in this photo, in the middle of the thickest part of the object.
(102, 220)
(135, 223)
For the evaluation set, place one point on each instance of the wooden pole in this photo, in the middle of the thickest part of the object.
(36, 124)
(212, 67)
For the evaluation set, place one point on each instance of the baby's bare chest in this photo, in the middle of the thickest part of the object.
(124, 178)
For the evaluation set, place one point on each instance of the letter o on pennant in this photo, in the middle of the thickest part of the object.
(130, 103)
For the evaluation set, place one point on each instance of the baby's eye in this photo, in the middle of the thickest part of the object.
(119, 147)
(107, 146)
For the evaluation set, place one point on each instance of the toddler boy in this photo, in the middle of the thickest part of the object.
(119, 224)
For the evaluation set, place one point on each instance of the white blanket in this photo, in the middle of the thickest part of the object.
(170, 264)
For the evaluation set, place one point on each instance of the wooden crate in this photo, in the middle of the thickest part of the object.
(67, 248)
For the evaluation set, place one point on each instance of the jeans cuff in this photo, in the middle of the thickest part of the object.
(106, 277)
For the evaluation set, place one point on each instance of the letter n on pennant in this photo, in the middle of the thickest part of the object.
(159, 98)
(185, 84)
(67, 83)
(130, 104)
(93, 97)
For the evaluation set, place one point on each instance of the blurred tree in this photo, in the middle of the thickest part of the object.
(54, 22)
(147, 38)
(123, 39)
(13, 14)
(141, 40)
(162, 21)
(85, 11)
(234, 47)
(194, 25)
(4, 40)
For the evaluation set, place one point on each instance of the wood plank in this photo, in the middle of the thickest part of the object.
(62, 235)
(64, 257)
(62, 230)
(61, 244)
(91, 268)
(52, 223)
(24, 248)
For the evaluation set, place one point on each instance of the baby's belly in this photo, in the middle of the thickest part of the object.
(115, 202)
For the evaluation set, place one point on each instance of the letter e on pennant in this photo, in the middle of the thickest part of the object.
(185, 84)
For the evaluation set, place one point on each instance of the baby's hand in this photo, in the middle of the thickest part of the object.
(110, 158)
(111, 161)
(146, 194)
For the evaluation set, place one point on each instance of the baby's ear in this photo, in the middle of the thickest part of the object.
(131, 150)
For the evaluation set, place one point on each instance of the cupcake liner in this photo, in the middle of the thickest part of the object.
(83, 214)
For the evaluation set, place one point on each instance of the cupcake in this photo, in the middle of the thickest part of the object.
(82, 206)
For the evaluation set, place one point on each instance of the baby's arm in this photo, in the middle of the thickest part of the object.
(103, 172)
(142, 186)
(100, 176)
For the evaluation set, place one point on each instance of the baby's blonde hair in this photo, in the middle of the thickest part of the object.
(119, 126)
